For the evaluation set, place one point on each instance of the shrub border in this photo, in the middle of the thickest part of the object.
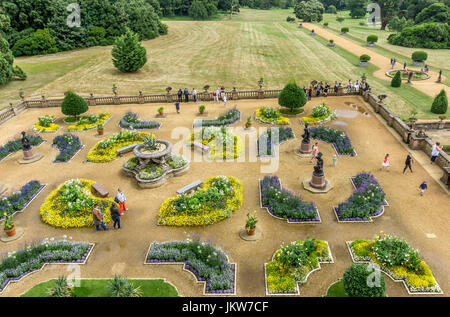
(301, 222)
(186, 267)
(85, 257)
(29, 202)
(436, 290)
(297, 283)
(375, 215)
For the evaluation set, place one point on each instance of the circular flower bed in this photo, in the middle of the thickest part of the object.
(90, 122)
(106, 150)
(45, 124)
(70, 204)
(216, 200)
(271, 116)
(320, 113)
(417, 75)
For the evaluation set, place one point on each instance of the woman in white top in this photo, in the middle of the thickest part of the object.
(194, 94)
(224, 100)
(120, 199)
(357, 86)
(435, 152)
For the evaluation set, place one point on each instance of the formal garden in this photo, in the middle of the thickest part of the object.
(231, 192)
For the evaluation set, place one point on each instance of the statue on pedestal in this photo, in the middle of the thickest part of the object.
(26, 146)
(305, 146)
(318, 169)
(306, 135)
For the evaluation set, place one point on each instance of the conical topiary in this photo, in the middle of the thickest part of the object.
(440, 103)
(397, 80)
(128, 54)
(73, 105)
(292, 96)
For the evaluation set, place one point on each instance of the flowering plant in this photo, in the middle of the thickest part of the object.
(19, 199)
(251, 221)
(338, 138)
(130, 121)
(271, 115)
(8, 224)
(90, 122)
(16, 145)
(273, 136)
(45, 124)
(228, 118)
(68, 144)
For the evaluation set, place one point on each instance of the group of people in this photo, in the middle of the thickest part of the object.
(219, 94)
(394, 61)
(117, 210)
(323, 89)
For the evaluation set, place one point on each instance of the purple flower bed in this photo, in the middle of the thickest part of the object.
(339, 139)
(366, 201)
(34, 257)
(68, 145)
(285, 204)
(205, 261)
(19, 200)
(266, 142)
(16, 145)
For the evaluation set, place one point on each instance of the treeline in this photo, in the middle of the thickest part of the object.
(41, 27)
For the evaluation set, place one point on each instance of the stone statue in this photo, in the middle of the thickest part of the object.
(306, 135)
(440, 76)
(318, 169)
(26, 146)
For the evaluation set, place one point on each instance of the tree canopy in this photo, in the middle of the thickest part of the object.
(308, 11)
(128, 54)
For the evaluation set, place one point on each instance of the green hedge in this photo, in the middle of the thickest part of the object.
(440, 103)
(426, 35)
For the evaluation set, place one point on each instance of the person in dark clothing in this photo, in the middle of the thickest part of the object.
(180, 95)
(115, 214)
(177, 106)
(408, 162)
(309, 93)
(186, 95)
(423, 187)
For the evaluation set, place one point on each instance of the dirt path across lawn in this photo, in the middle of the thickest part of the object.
(428, 86)
(422, 221)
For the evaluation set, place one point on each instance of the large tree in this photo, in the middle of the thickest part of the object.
(128, 54)
(413, 7)
(308, 11)
(389, 8)
(358, 8)
(437, 12)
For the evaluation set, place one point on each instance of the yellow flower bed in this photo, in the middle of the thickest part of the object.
(98, 155)
(169, 216)
(52, 210)
(281, 120)
(312, 120)
(217, 150)
(422, 278)
(52, 128)
(87, 126)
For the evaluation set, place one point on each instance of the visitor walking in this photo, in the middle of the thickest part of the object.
(98, 218)
(435, 152)
(186, 95)
(385, 163)
(180, 95)
(310, 93)
(349, 86)
(225, 100)
(215, 96)
(409, 160)
(315, 150)
(404, 66)
(423, 187)
(357, 85)
(334, 160)
(120, 199)
(177, 106)
(194, 94)
(392, 63)
(115, 214)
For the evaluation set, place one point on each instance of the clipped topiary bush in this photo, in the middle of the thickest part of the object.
(360, 280)
(345, 30)
(364, 58)
(440, 103)
(73, 105)
(397, 80)
(292, 96)
(340, 19)
(419, 56)
(372, 39)
(128, 54)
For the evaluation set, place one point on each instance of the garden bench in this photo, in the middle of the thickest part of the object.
(126, 149)
(100, 190)
(201, 146)
(189, 187)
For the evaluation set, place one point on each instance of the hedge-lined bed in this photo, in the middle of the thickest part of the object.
(16, 145)
(292, 264)
(398, 260)
(338, 139)
(270, 138)
(229, 118)
(367, 201)
(46, 124)
(206, 262)
(89, 122)
(216, 200)
(68, 145)
(18, 201)
(284, 204)
(130, 121)
(33, 257)
(270, 116)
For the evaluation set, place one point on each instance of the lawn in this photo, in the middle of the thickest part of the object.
(98, 288)
(336, 290)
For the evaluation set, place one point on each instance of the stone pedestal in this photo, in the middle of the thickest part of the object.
(28, 155)
(305, 148)
(19, 233)
(318, 182)
(317, 185)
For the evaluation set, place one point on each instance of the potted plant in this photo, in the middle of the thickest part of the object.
(331, 43)
(161, 111)
(419, 58)
(344, 30)
(442, 117)
(201, 109)
(250, 225)
(100, 129)
(312, 32)
(371, 40)
(8, 225)
(248, 123)
(325, 25)
(300, 25)
(364, 60)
